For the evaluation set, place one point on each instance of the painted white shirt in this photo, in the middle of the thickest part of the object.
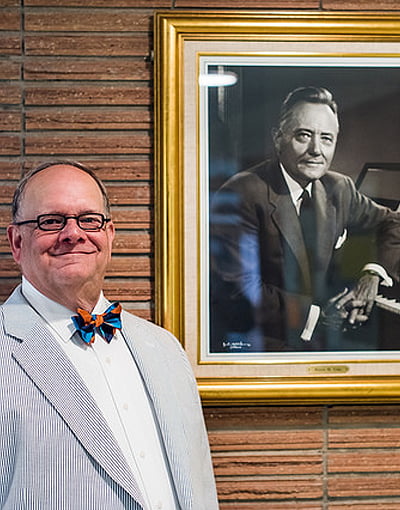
(295, 189)
(113, 379)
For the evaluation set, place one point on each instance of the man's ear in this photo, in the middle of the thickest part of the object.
(14, 238)
(110, 231)
(276, 137)
(111, 228)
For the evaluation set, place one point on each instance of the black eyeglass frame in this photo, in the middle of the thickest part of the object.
(64, 220)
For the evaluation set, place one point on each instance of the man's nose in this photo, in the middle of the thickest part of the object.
(71, 230)
(315, 145)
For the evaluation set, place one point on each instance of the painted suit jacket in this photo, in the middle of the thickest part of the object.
(56, 449)
(261, 280)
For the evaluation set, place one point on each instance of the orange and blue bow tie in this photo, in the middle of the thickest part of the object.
(105, 324)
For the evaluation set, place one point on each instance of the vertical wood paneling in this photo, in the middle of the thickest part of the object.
(76, 82)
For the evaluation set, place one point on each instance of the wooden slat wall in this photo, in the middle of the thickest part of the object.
(76, 82)
(309, 458)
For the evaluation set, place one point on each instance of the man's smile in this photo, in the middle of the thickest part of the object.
(72, 253)
(313, 162)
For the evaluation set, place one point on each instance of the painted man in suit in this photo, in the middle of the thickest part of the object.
(96, 412)
(274, 279)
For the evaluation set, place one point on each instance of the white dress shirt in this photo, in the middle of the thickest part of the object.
(296, 191)
(113, 379)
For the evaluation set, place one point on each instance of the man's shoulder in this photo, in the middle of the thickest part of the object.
(335, 177)
(132, 323)
(7, 340)
(336, 183)
(14, 298)
(259, 169)
(132, 320)
(152, 340)
(258, 176)
(11, 310)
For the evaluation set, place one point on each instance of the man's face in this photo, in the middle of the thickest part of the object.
(71, 258)
(306, 141)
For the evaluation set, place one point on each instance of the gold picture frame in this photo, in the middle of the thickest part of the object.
(185, 42)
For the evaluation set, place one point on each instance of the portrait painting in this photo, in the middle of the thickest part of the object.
(263, 315)
(239, 121)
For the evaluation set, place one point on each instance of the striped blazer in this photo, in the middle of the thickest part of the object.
(57, 451)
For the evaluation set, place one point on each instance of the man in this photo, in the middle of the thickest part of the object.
(96, 412)
(274, 279)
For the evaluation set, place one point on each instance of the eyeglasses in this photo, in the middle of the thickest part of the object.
(90, 222)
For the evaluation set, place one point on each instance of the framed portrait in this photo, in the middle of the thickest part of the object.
(227, 282)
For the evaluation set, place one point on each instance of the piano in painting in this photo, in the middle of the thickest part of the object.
(381, 182)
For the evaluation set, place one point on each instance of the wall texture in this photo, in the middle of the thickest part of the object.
(76, 82)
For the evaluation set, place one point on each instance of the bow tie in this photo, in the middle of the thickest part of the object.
(105, 323)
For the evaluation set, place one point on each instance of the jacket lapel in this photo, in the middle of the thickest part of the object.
(326, 225)
(286, 220)
(285, 217)
(154, 369)
(44, 361)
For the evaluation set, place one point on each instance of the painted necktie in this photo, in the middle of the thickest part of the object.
(307, 219)
(105, 324)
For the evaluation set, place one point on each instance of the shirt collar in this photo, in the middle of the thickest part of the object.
(295, 189)
(55, 314)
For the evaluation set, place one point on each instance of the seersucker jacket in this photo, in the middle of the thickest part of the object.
(56, 449)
